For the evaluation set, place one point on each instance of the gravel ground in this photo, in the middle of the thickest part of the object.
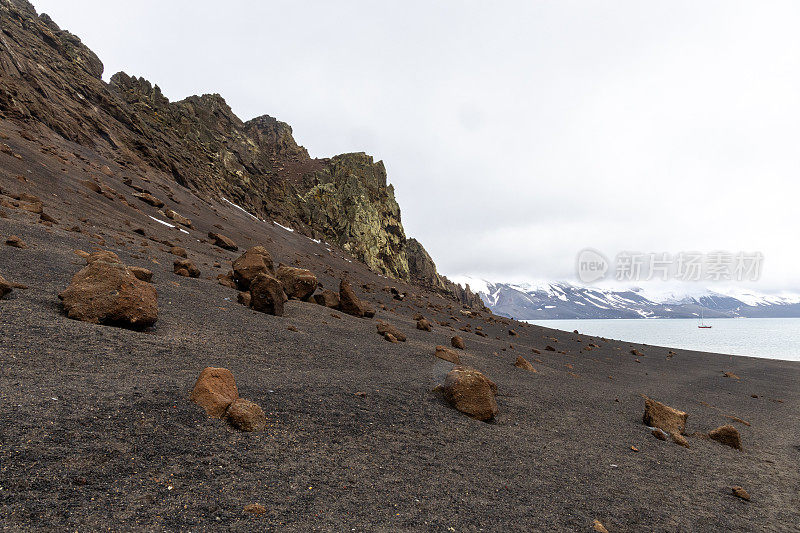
(96, 430)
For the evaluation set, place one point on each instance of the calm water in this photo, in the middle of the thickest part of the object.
(774, 338)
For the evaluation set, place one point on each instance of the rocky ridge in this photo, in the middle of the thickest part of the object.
(49, 80)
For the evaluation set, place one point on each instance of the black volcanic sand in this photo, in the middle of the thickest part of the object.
(96, 430)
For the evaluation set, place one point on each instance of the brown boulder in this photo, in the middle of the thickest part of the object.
(214, 391)
(266, 295)
(661, 416)
(182, 220)
(328, 298)
(180, 252)
(458, 342)
(244, 298)
(255, 509)
(5, 287)
(348, 301)
(246, 415)
(727, 435)
(149, 199)
(424, 325)
(385, 329)
(448, 355)
(369, 311)
(680, 440)
(226, 280)
(109, 293)
(16, 242)
(469, 391)
(222, 241)
(659, 434)
(523, 363)
(250, 264)
(185, 268)
(142, 273)
(739, 492)
(298, 283)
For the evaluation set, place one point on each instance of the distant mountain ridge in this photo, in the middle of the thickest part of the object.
(563, 300)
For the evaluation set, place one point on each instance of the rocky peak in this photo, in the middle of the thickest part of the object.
(276, 137)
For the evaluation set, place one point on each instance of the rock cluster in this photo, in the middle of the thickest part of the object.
(385, 329)
(216, 392)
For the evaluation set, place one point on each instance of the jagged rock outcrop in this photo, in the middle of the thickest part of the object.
(49, 79)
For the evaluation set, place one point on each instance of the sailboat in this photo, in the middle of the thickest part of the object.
(702, 324)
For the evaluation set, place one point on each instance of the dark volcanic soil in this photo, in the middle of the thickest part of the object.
(96, 430)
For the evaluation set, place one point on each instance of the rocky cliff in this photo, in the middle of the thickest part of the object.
(50, 79)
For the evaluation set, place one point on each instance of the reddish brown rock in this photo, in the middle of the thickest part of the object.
(523, 363)
(16, 242)
(348, 301)
(447, 354)
(255, 509)
(659, 434)
(680, 440)
(385, 328)
(739, 492)
(298, 283)
(327, 298)
(184, 267)
(226, 280)
(457, 342)
(472, 393)
(512, 333)
(727, 435)
(183, 221)
(142, 273)
(424, 325)
(661, 416)
(549, 348)
(250, 264)
(245, 415)
(222, 241)
(266, 295)
(149, 199)
(391, 338)
(180, 252)
(369, 311)
(5, 287)
(244, 298)
(214, 391)
(109, 293)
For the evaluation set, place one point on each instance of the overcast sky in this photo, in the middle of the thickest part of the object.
(515, 133)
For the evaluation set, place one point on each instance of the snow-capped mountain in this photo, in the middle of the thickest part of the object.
(553, 300)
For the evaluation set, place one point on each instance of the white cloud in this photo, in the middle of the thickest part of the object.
(516, 133)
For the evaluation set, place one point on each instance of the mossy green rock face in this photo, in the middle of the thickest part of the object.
(351, 202)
